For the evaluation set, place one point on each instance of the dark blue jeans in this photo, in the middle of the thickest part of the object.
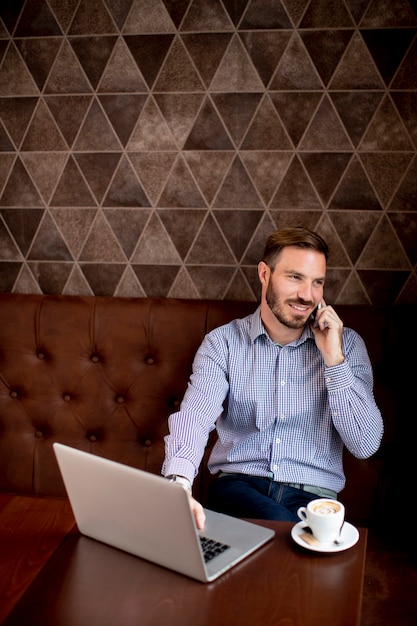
(240, 495)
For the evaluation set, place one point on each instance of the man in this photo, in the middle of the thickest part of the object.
(286, 388)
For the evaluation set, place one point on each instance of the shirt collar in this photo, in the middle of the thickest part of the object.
(257, 329)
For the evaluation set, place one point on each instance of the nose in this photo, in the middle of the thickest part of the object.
(305, 292)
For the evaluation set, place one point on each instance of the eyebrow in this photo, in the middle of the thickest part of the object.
(298, 273)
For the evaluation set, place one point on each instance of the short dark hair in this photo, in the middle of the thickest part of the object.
(294, 236)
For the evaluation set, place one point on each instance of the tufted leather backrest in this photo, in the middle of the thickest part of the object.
(103, 375)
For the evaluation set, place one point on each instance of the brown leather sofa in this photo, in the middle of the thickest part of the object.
(103, 375)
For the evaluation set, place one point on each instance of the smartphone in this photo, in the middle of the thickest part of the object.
(313, 315)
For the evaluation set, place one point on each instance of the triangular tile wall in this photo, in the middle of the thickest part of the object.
(148, 147)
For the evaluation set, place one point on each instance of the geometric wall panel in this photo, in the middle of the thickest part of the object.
(149, 148)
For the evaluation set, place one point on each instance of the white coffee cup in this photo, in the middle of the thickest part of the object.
(325, 517)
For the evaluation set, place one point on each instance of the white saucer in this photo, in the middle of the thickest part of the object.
(349, 537)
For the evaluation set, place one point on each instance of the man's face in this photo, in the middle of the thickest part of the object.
(295, 287)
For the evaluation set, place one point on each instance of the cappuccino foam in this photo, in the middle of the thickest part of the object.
(326, 508)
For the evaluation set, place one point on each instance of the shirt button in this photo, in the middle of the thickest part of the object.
(275, 467)
(282, 416)
(282, 383)
(328, 379)
(278, 440)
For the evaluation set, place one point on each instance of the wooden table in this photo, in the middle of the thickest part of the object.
(51, 575)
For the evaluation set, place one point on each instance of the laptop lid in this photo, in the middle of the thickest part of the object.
(150, 517)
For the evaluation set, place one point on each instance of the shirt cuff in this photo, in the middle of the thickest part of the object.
(338, 377)
(180, 467)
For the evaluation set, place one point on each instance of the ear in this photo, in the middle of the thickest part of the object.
(264, 273)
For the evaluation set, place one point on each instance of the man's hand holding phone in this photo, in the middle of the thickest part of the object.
(327, 328)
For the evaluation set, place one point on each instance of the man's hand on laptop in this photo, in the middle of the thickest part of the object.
(200, 516)
(197, 509)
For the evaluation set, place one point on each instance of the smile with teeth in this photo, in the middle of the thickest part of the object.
(300, 308)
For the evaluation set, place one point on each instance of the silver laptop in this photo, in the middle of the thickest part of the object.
(150, 517)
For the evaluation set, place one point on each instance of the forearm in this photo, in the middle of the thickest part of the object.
(190, 427)
(184, 447)
(354, 412)
(189, 430)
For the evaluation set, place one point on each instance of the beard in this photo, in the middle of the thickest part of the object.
(295, 321)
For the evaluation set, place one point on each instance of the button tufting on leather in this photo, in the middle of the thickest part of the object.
(150, 360)
(95, 358)
(147, 443)
(38, 434)
(92, 438)
(120, 399)
(41, 355)
(67, 397)
(13, 394)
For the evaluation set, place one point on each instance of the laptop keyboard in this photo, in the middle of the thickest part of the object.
(211, 548)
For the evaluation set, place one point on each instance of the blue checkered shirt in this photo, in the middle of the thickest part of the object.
(279, 411)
